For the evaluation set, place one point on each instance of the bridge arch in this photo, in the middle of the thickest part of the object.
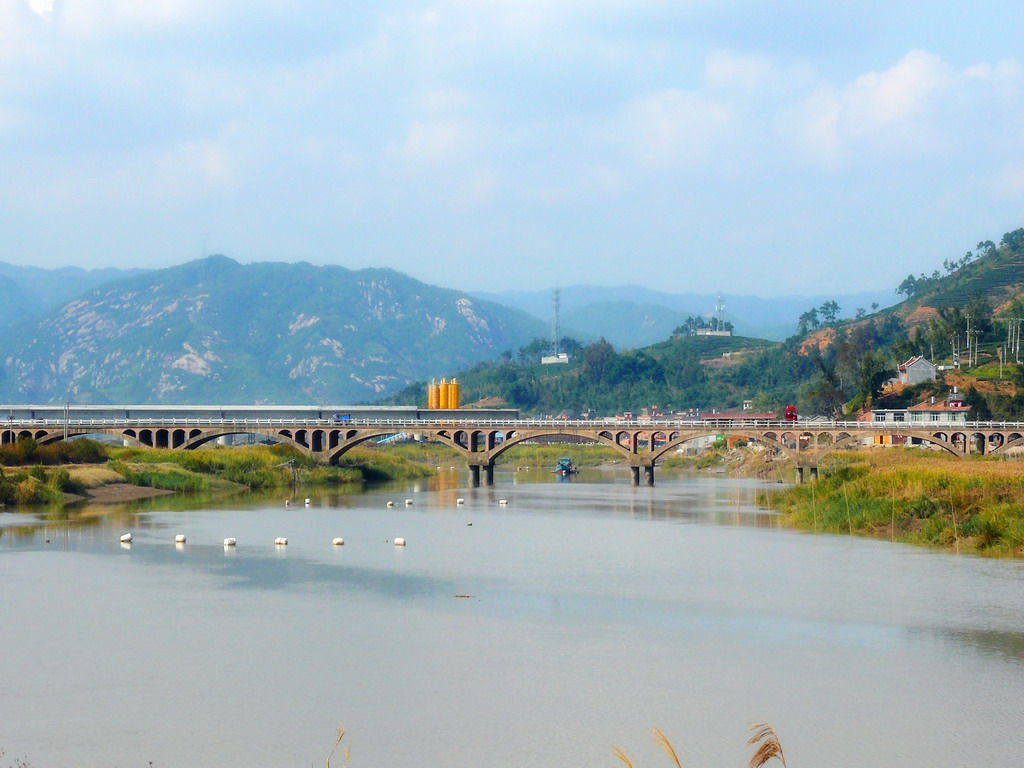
(521, 437)
(768, 439)
(1010, 440)
(939, 439)
(197, 438)
(358, 437)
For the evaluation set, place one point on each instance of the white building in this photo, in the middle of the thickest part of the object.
(916, 370)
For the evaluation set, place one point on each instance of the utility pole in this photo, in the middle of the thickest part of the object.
(968, 340)
(556, 326)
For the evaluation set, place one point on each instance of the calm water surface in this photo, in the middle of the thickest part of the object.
(597, 611)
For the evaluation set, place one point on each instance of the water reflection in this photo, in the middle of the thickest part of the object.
(597, 608)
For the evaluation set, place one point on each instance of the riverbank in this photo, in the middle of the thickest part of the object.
(913, 496)
(91, 471)
(746, 461)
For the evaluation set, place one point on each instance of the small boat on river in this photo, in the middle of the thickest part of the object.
(565, 467)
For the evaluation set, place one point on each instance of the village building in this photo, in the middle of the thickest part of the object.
(931, 413)
(916, 370)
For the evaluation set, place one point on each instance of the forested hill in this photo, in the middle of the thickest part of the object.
(833, 366)
(216, 331)
(680, 373)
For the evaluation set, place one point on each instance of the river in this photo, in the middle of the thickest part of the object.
(537, 633)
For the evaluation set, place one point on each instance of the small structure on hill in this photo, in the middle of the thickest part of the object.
(718, 325)
(916, 370)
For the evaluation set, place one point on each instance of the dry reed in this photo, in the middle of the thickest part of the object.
(337, 743)
(767, 746)
(622, 756)
(662, 741)
(764, 740)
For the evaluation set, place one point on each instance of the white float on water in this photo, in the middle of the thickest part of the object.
(338, 542)
(179, 539)
(229, 542)
(460, 502)
(399, 542)
(502, 502)
(287, 503)
(307, 502)
(408, 502)
(391, 503)
(126, 538)
(280, 541)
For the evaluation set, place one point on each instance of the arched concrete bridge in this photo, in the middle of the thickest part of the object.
(640, 443)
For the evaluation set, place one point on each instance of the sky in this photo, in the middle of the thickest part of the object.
(744, 146)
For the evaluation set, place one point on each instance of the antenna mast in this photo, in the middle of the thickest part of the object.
(556, 327)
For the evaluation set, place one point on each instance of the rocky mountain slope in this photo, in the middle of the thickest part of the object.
(30, 291)
(215, 331)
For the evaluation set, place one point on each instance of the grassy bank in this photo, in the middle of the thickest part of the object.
(35, 485)
(914, 496)
(548, 454)
(435, 455)
(272, 466)
(86, 465)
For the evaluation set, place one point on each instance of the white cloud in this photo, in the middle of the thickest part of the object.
(671, 126)
(878, 100)
(43, 8)
(433, 141)
(727, 69)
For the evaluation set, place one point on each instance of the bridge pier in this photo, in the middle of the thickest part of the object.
(648, 470)
(805, 472)
(482, 472)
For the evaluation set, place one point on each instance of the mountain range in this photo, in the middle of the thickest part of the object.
(634, 316)
(26, 291)
(216, 331)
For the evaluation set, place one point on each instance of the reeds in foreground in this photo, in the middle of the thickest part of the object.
(337, 743)
(767, 745)
(764, 740)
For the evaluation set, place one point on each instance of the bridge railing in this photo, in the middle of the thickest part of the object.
(711, 425)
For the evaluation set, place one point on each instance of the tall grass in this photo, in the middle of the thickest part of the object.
(27, 451)
(763, 739)
(263, 466)
(917, 497)
(548, 454)
(37, 486)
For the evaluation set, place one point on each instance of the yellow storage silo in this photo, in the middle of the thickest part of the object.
(433, 396)
(453, 394)
(446, 389)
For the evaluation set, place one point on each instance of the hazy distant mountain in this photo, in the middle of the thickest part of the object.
(29, 291)
(215, 331)
(633, 316)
